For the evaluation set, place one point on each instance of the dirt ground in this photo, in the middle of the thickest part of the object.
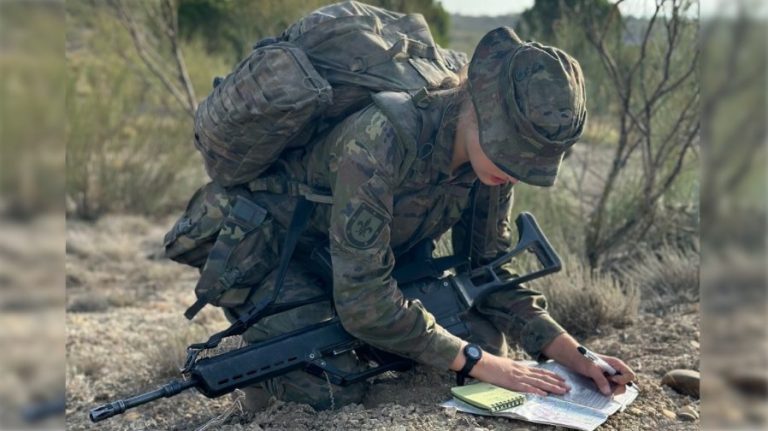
(126, 333)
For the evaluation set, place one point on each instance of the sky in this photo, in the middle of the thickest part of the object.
(503, 7)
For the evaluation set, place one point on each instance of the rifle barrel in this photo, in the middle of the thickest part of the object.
(117, 407)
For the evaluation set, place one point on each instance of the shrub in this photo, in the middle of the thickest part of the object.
(666, 276)
(583, 301)
(88, 303)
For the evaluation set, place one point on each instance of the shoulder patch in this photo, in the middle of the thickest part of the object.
(364, 227)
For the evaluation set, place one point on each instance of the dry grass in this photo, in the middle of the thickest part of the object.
(92, 302)
(168, 354)
(666, 276)
(582, 302)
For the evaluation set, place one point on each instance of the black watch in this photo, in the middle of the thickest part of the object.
(473, 353)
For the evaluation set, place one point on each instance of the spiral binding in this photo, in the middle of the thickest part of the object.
(503, 405)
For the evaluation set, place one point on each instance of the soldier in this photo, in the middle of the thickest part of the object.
(401, 171)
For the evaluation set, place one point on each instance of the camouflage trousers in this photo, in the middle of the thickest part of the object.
(318, 392)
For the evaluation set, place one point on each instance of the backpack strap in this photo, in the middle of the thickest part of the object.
(281, 185)
(415, 119)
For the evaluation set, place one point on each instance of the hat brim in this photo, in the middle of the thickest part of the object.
(498, 133)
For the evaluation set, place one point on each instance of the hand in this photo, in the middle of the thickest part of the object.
(563, 349)
(517, 376)
(608, 385)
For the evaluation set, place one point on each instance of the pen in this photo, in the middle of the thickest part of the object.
(606, 367)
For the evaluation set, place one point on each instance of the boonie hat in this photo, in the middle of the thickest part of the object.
(530, 103)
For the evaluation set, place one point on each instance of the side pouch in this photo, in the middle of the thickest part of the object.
(190, 240)
(245, 251)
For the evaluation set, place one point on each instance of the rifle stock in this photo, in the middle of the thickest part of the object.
(446, 297)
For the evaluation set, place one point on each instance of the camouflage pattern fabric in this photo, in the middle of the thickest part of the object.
(264, 106)
(323, 67)
(530, 102)
(301, 387)
(384, 203)
(298, 386)
(191, 238)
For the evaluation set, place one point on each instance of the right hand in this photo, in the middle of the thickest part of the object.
(517, 376)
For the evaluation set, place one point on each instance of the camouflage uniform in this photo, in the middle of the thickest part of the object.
(391, 191)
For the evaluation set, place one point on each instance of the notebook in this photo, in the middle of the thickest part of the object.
(487, 396)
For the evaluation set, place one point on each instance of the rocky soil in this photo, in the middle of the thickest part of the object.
(126, 334)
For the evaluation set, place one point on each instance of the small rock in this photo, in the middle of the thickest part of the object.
(695, 344)
(450, 412)
(635, 411)
(683, 381)
(669, 414)
(688, 414)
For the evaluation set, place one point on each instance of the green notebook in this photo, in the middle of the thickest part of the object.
(487, 396)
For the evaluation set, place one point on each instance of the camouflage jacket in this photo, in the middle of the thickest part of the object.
(389, 193)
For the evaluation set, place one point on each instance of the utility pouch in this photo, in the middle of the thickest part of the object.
(230, 238)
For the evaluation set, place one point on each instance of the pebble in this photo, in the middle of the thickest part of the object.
(695, 344)
(669, 413)
(635, 411)
(688, 414)
(683, 381)
(450, 412)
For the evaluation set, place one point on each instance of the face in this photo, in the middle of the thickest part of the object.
(487, 172)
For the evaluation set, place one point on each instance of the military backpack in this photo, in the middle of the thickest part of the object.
(322, 68)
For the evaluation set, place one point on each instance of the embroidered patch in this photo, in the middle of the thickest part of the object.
(364, 226)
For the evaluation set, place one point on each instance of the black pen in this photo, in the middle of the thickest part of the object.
(606, 367)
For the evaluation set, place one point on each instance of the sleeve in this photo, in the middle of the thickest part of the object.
(519, 312)
(369, 303)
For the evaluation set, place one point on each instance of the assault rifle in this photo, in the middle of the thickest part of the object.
(424, 279)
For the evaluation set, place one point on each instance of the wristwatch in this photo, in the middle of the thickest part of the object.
(473, 353)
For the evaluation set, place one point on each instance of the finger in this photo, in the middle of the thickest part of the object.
(621, 379)
(546, 386)
(548, 374)
(555, 381)
(602, 383)
(619, 389)
(621, 367)
(627, 375)
(524, 387)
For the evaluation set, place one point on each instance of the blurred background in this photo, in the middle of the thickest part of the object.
(97, 99)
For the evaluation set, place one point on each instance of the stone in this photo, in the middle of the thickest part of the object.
(669, 414)
(688, 414)
(450, 412)
(695, 344)
(686, 382)
(635, 411)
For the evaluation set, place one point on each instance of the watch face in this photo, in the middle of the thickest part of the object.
(473, 352)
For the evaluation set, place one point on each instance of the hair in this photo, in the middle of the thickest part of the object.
(461, 91)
